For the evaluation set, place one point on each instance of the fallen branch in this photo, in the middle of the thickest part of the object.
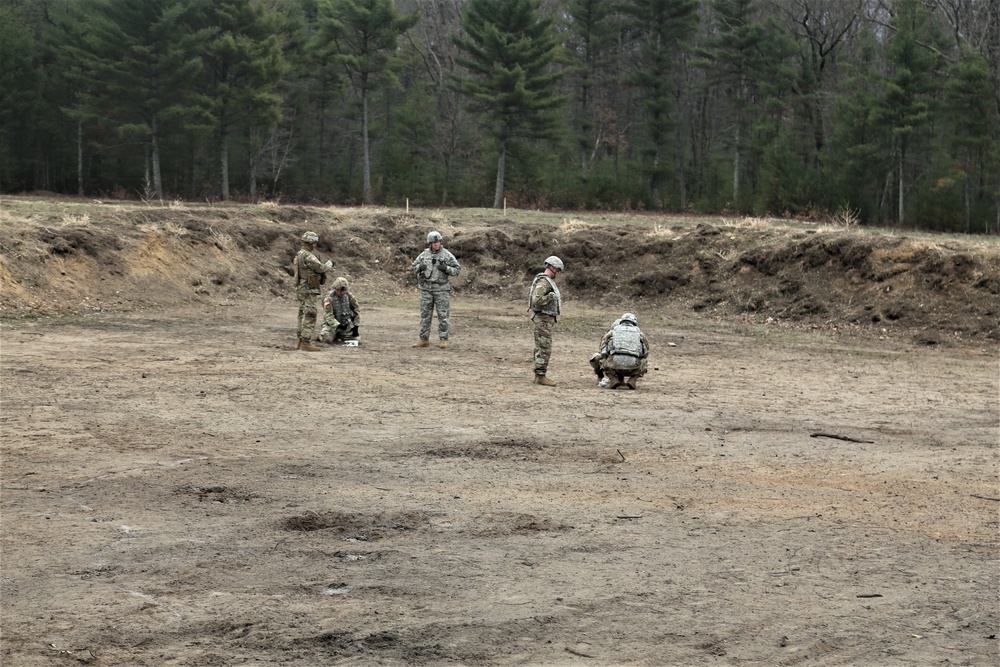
(840, 437)
(996, 500)
(579, 653)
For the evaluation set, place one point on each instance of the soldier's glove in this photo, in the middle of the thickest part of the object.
(328, 265)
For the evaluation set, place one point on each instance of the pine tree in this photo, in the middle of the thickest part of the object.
(660, 28)
(243, 63)
(509, 49)
(365, 34)
(905, 109)
(593, 35)
(747, 59)
(971, 106)
(19, 96)
(142, 58)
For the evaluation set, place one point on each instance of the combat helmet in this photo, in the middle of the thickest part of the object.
(630, 318)
(554, 262)
(310, 237)
(340, 283)
(434, 236)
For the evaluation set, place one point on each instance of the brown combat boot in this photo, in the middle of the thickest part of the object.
(422, 343)
(443, 345)
(307, 346)
(632, 381)
(544, 381)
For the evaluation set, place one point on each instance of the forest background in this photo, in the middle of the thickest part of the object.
(879, 112)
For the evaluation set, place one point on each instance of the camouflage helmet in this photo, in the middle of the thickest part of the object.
(434, 237)
(310, 237)
(630, 318)
(554, 262)
(340, 283)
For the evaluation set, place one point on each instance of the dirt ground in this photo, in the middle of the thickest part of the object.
(786, 487)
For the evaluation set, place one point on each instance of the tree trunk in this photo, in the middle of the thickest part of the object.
(679, 151)
(157, 177)
(654, 181)
(902, 214)
(736, 166)
(253, 176)
(366, 193)
(965, 192)
(79, 157)
(224, 161)
(501, 169)
(447, 179)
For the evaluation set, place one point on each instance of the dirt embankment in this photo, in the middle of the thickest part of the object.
(856, 283)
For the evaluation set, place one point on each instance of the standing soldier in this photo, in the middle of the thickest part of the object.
(310, 273)
(434, 266)
(341, 315)
(546, 304)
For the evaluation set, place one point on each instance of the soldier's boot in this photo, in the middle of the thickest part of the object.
(443, 345)
(616, 381)
(632, 381)
(544, 381)
(423, 342)
(307, 346)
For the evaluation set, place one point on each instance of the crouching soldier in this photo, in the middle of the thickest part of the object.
(341, 315)
(622, 359)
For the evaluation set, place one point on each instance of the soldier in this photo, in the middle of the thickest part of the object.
(623, 354)
(341, 315)
(434, 267)
(310, 273)
(545, 303)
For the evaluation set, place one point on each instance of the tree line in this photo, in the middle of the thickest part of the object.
(865, 111)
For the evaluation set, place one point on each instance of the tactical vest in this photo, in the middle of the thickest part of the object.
(433, 277)
(304, 275)
(552, 308)
(342, 308)
(625, 347)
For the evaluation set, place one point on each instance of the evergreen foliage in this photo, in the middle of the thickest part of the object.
(886, 109)
(508, 49)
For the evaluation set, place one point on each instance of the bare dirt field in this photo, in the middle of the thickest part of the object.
(807, 476)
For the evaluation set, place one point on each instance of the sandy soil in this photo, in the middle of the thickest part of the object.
(181, 487)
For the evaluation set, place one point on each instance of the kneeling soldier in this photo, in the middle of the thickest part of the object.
(622, 359)
(341, 317)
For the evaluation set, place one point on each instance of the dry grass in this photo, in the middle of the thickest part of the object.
(75, 220)
(571, 225)
(661, 232)
(222, 240)
(748, 222)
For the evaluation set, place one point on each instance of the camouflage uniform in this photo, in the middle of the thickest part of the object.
(433, 270)
(309, 275)
(341, 316)
(623, 354)
(546, 304)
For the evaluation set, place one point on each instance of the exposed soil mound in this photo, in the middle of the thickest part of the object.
(117, 257)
